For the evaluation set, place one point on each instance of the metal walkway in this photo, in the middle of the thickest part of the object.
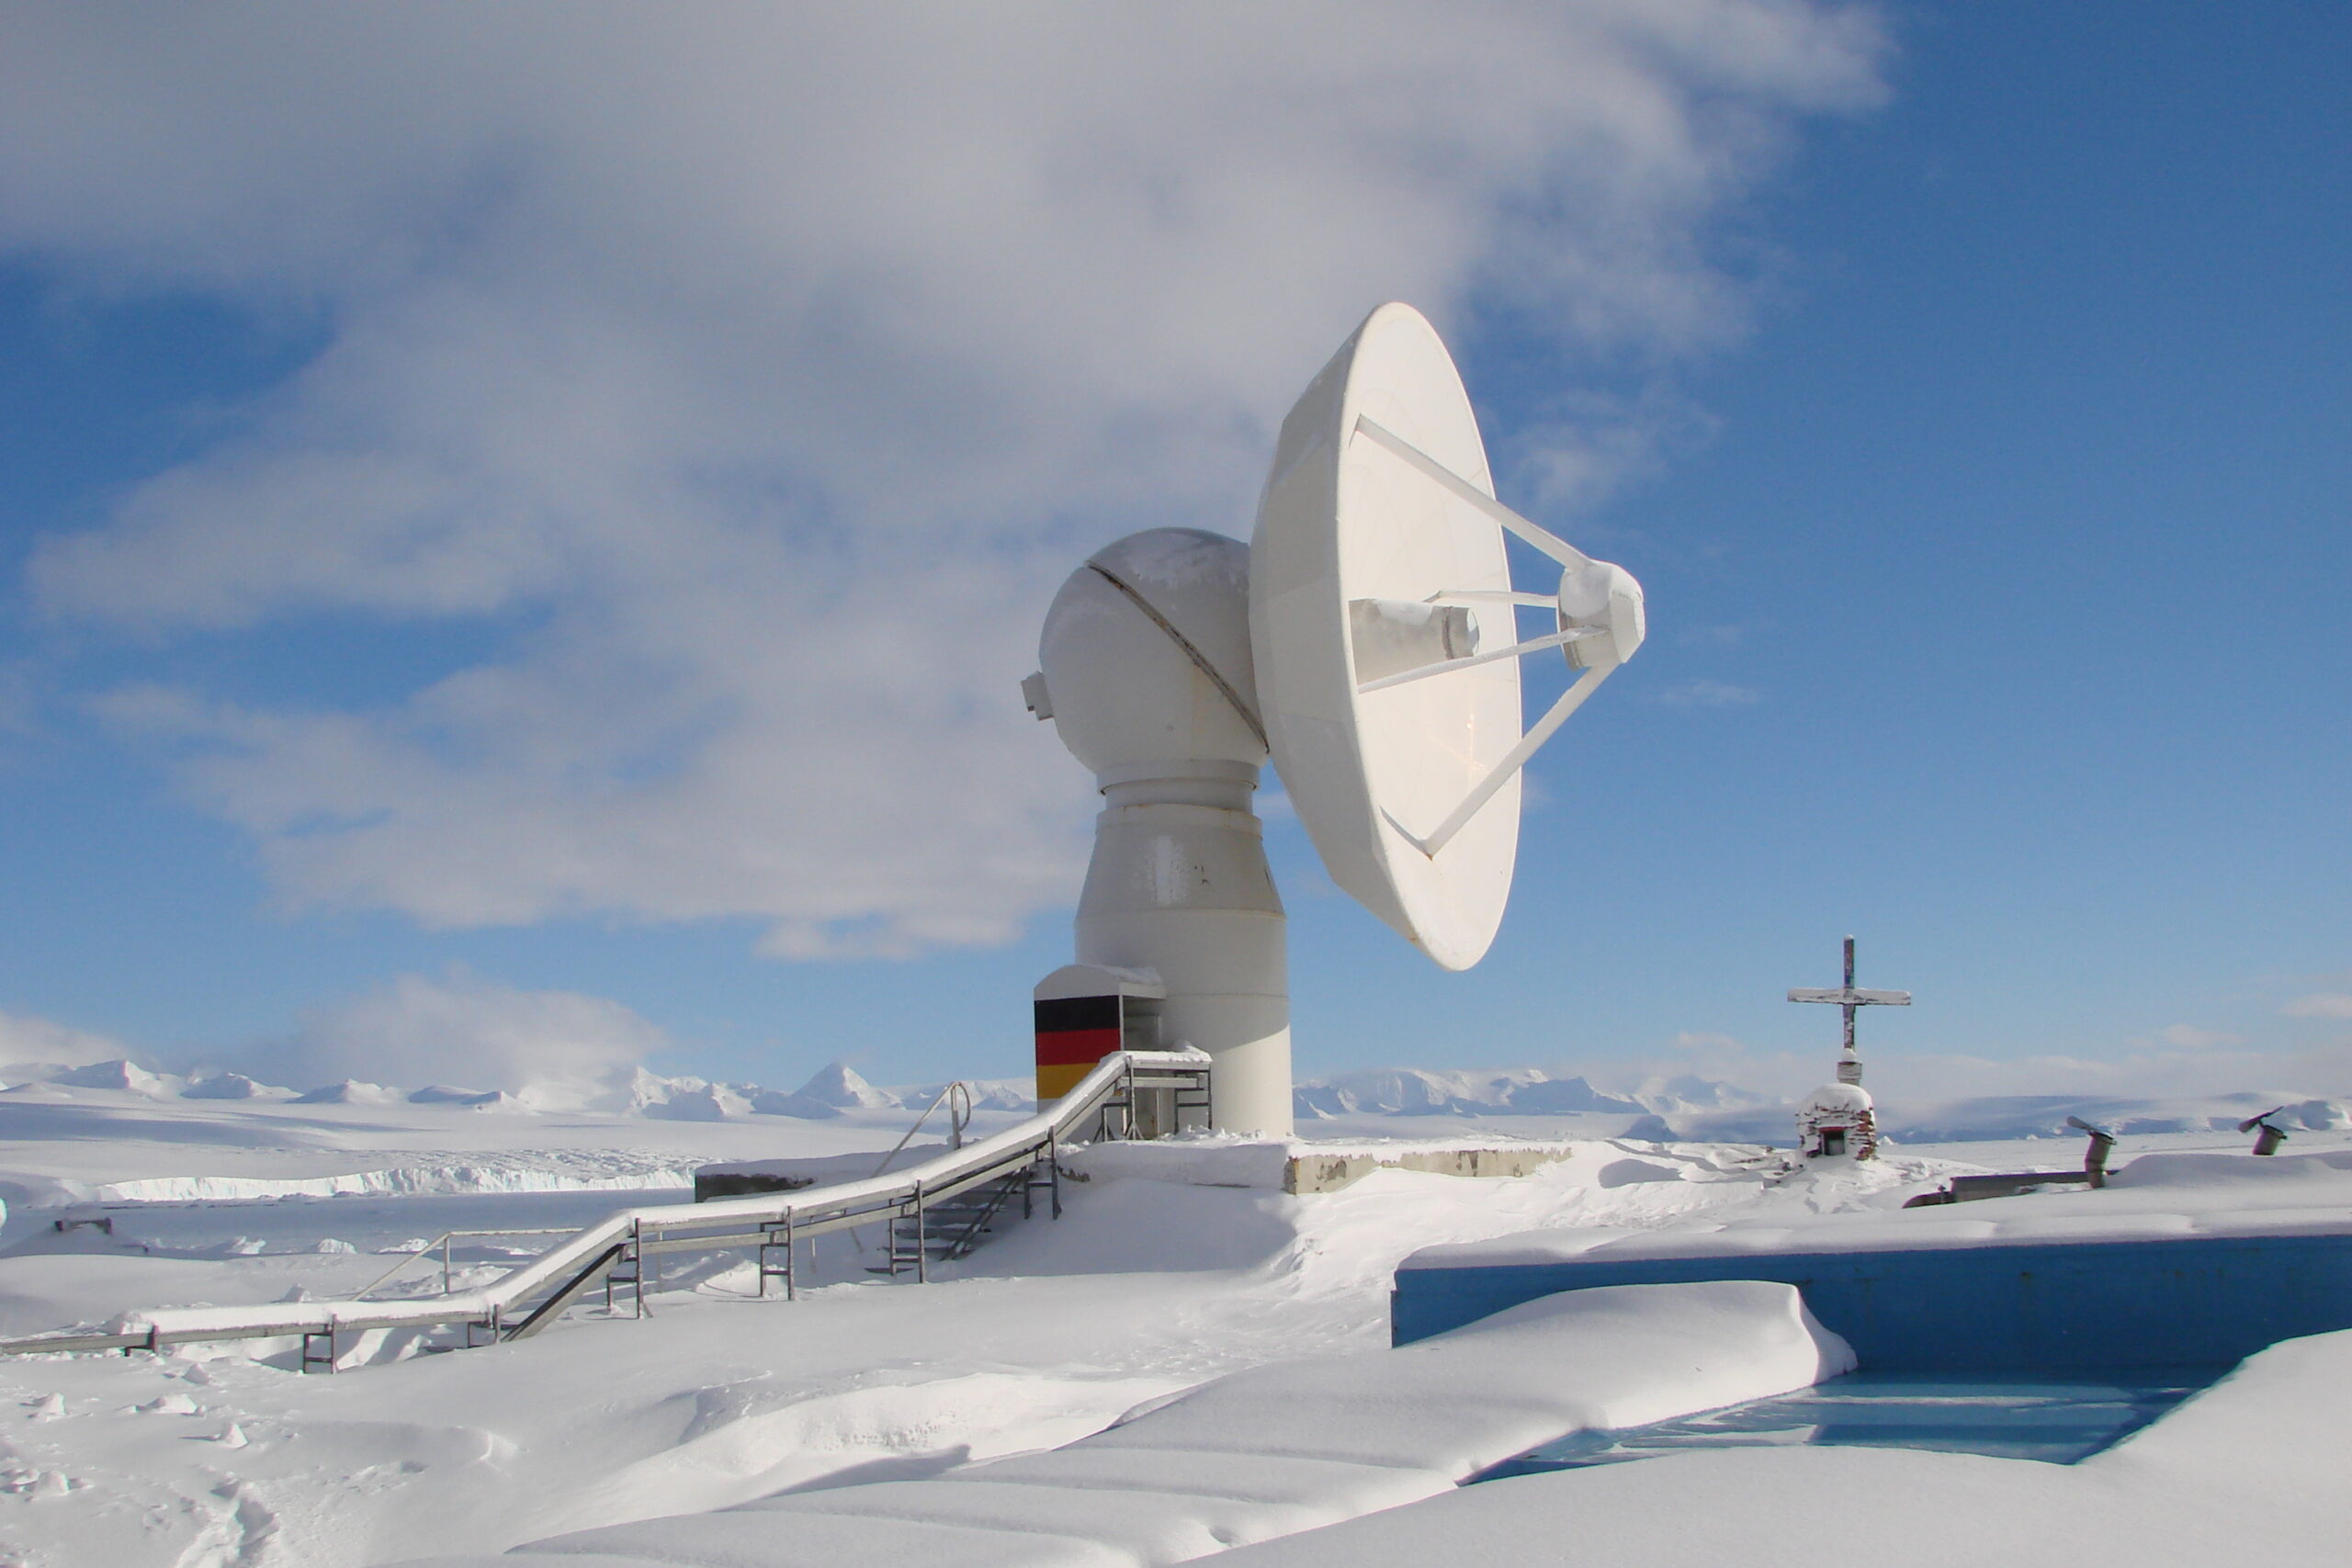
(933, 1210)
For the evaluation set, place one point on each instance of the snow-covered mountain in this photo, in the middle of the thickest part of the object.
(2044, 1116)
(1693, 1107)
(232, 1086)
(1504, 1091)
(351, 1092)
(1679, 1107)
(835, 1087)
(835, 1090)
(122, 1075)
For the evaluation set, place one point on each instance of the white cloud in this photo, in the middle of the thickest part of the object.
(759, 370)
(2212, 1064)
(2322, 1004)
(25, 1039)
(2189, 1037)
(2143, 1073)
(554, 1048)
(1709, 694)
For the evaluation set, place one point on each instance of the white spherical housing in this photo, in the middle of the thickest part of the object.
(1126, 693)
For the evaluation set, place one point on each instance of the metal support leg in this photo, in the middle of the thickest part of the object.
(768, 1269)
(614, 1277)
(922, 1242)
(313, 1356)
(1054, 1166)
(634, 1258)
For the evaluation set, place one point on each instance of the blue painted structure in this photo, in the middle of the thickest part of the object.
(2065, 1309)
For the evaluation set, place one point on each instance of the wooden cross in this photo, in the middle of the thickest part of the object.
(1849, 1066)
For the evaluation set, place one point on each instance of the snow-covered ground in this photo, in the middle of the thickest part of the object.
(223, 1455)
(2251, 1467)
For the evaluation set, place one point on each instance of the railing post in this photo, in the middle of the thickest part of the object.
(922, 1242)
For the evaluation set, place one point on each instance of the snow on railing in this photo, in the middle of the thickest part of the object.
(553, 1279)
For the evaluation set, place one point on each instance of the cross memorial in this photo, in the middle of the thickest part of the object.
(1849, 1066)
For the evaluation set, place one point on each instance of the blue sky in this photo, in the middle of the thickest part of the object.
(564, 531)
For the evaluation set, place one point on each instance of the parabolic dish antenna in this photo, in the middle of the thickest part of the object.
(1373, 652)
(1385, 631)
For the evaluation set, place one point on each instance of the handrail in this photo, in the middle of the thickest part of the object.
(442, 1241)
(569, 1267)
(959, 1116)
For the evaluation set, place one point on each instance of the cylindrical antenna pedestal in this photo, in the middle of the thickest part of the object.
(1178, 884)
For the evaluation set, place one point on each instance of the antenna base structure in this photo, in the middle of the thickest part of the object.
(1149, 680)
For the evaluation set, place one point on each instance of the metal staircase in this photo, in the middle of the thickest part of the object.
(942, 1232)
(937, 1209)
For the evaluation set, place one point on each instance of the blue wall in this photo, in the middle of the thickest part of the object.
(2092, 1307)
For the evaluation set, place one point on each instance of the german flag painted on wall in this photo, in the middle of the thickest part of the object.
(1073, 1034)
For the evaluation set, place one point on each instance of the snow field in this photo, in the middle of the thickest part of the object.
(1048, 1334)
(1273, 1451)
(215, 1456)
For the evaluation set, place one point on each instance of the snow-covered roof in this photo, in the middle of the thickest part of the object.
(1846, 1097)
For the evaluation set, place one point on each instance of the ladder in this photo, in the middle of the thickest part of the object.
(950, 1228)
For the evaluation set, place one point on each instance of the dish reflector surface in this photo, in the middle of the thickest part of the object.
(1350, 535)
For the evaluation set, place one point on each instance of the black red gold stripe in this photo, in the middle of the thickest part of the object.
(1073, 1034)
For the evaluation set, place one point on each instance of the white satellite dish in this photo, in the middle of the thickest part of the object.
(1373, 651)
(1386, 630)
